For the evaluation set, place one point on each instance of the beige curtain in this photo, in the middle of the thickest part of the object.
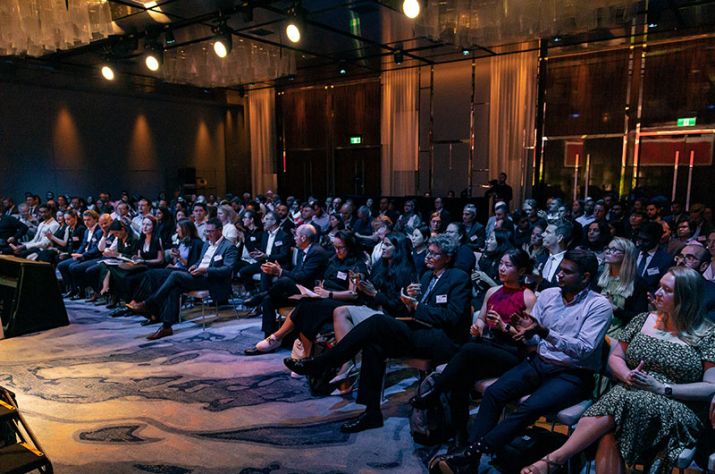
(262, 120)
(399, 131)
(512, 112)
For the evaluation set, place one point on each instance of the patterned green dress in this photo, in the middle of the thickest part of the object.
(650, 426)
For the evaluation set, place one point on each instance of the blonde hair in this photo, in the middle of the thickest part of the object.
(688, 312)
(627, 273)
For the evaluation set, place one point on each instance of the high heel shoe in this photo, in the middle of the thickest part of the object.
(551, 467)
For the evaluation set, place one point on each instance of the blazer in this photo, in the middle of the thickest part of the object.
(465, 259)
(448, 304)
(657, 266)
(89, 248)
(310, 268)
(475, 236)
(281, 246)
(220, 269)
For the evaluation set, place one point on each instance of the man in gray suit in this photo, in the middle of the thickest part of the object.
(212, 273)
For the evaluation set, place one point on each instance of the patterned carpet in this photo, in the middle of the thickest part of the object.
(101, 398)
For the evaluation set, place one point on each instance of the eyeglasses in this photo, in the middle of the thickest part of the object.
(339, 248)
(613, 250)
(433, 255)
(688, 258)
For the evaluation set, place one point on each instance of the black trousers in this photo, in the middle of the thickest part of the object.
(475, 361)
(380, 337)
(552, 388)
(167, 298)
(277, 297)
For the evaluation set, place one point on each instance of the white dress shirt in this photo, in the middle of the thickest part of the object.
(209, 255)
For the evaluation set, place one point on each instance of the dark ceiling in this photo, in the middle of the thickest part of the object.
(359, 36)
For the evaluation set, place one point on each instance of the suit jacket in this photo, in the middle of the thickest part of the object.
(287, 225)
(475, 236)
(89, 248)
(657, 266)
(281, 246)
(465, 259)
(11, 227)
(448, 304)
(709, 300)
(310, 268)
(220, 269)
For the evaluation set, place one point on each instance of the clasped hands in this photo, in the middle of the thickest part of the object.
(196, 271)
(523, 323)
(639, 378)
(409, 295)
(272, 268)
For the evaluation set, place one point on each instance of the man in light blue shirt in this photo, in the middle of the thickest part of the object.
(569, 323)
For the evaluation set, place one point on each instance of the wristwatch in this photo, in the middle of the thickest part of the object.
(668, 391)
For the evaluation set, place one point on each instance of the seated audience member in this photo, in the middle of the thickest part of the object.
(500, 219)
(66, 244)
(11, 231)
(312, 260)
(410, 219)
(696, 257)
(90, 277)
(284, 220)
(274, 245)
(227, 216)
(120, 243)
(438, 322)
(709, 273)
(335, 225)
(320, 219)
(40, 241)
(652, 261)
(493, 345)
(474, 230)
(200, 215)
(665, 366)
(419, 238)
(383, 227)
(619, 283)
(485, 275)
(436, 224)
(212, 273)
(570, 322)
(125, 279)
(557, 238)
(338, 286)
(143, 210)
(597, 237)
(84, 257)
(439, 209)
(165, 225)
(464, 260)
(29, 220)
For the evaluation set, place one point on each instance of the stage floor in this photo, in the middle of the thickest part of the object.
(101, 398)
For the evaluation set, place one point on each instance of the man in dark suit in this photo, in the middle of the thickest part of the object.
(83, 258)
(274, 246)
(439, 320)
(697, 257)
(11, 231)
(284, 221)
(311, 265)
(652, 261)
(473, 229)
(212, 273)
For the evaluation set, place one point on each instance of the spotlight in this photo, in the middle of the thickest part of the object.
(223, 42)
(154, 56)
(411, 8)
(293, 31)
(108, 72)
(342, 68)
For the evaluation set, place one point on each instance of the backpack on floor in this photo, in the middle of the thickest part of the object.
(432, 425)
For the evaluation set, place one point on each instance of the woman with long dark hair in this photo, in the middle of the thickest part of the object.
(486, 272)
(165, 226)
(492, 350)
(419, 238)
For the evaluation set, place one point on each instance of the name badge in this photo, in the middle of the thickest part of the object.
(342, 276)
(217, 258)
(653, 271)
(473, 238)
(253, 239)
(278, 244)
(441, 299)
(75, 239)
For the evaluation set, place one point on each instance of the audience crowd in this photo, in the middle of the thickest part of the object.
(610, 299)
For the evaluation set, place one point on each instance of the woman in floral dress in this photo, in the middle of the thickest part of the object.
(665, 366)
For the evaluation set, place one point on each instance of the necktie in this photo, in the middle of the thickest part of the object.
(642, 264)
(547, 267)
(430, 287)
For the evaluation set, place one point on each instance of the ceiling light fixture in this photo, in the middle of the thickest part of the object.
(223, 42)
(411, 8)
(293, 25)
(107, 72)
(154, 55)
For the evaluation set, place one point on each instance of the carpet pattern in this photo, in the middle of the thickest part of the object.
(101, 398)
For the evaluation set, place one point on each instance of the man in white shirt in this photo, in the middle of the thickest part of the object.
(556, 240)
(47, 225)
(144, 210)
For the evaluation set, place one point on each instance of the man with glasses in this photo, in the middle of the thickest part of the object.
(436, 319)
(697, 257)
(212, 273)
(652, 261)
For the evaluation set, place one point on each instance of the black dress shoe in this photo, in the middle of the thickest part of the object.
(464, 461)
(120, 312)
(77, 296)
(162, 332)
(256, 299)
(300, 366)
(366, 421)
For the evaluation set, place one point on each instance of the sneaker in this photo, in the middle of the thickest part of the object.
(269, 344)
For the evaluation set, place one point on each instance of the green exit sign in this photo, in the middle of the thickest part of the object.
(686, 122)
(355, 139)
